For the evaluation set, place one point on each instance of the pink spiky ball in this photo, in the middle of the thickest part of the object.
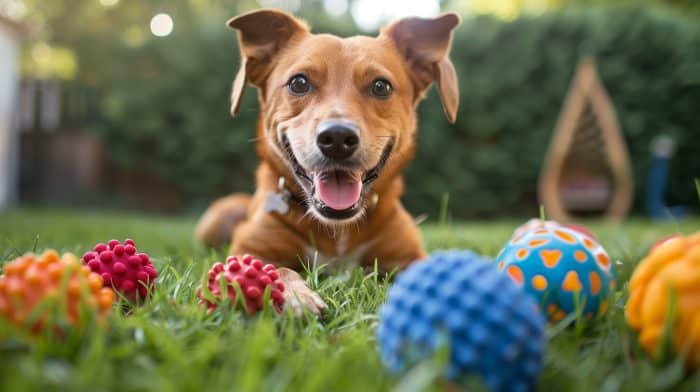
(122, 268)
(252, 276)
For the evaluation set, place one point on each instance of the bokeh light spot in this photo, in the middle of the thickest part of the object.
(370, 14)
(162, 25)
(335, 7)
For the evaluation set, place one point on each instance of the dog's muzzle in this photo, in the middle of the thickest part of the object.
(339, 192)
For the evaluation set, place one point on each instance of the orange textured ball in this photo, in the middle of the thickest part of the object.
(31, 279)
(670, 272)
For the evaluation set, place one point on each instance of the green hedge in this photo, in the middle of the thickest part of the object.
(167, 109)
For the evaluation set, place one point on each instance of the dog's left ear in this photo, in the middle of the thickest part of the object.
(262, 34)
(425, 45)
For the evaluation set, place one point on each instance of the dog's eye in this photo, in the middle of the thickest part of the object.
(299, 85)
(381, 88)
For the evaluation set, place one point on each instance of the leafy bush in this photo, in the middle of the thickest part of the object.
(168, 108)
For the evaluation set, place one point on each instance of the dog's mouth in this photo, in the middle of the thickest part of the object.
(336, 193)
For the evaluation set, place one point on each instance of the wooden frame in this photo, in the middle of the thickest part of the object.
(587, 90)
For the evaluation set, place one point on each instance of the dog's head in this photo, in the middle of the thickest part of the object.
(340, 113)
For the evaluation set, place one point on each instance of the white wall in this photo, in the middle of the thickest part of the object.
(9, 138)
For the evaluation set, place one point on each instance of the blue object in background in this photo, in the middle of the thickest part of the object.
(662, 150)
(459, 299)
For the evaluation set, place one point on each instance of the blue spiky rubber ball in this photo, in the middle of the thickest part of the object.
(457, 300)
(561, 267)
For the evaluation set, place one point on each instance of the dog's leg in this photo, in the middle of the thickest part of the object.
(388, 250)
(264, 237)
(216, 225)
(298, 296)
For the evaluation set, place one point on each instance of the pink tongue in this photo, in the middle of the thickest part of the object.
(338, 190)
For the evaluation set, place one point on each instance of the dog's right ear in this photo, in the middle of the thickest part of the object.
(261, 35)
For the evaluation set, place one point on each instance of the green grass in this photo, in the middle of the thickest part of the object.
(171, 344)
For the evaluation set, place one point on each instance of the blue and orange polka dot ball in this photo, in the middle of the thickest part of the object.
(561, 267)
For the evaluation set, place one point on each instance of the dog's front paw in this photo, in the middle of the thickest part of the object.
(298, 296)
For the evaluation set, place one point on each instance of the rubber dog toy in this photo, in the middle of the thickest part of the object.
(560, 267)
(30, 280)
(129, 273)
(252, 277)
(536, 223)
(670, 273)
(459, 299)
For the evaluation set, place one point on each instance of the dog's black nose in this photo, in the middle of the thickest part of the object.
(338, 141)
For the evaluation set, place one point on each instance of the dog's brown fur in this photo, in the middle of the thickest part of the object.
(411, 54)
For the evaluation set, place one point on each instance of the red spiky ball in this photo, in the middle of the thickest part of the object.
(253, 278)
(123, 269)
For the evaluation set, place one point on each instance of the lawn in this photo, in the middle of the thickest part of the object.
(172, 344)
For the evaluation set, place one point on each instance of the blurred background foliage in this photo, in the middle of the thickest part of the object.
(161, 104)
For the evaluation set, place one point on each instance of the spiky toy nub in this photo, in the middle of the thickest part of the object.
(252, 276)
(30, 280)
(127, 272)
(459, 300)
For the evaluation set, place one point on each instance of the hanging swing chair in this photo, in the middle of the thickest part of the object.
(587, 168)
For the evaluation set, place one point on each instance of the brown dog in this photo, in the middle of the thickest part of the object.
(337, 126)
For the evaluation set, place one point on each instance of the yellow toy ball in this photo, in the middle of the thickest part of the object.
(670, 272)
